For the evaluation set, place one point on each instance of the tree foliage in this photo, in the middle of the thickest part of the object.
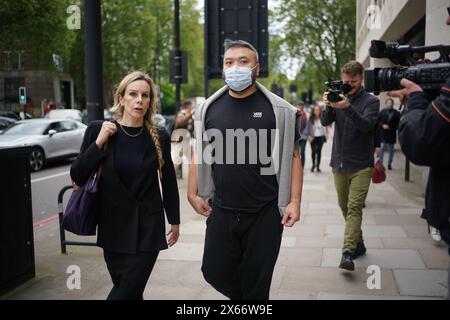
(37, 27)
(321, 34)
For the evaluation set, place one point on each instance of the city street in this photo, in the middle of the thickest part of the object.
(411, 265)
(45, 186)
(240, 87)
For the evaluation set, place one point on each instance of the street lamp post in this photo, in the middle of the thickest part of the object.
(93, 53)
(177, 52)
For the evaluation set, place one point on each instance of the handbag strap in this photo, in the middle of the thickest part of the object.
(99, 171)
(100, 168)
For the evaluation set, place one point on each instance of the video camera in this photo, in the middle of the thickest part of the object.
(335, 88)
(430, 76)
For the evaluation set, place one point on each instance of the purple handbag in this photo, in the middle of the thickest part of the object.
(80, 216)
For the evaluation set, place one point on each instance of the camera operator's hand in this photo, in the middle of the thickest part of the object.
(408, 88)
(343, 104)
(325, 98)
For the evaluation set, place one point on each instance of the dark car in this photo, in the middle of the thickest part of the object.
(14, 115)
(5, 123)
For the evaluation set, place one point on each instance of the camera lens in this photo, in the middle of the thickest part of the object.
(333, 97)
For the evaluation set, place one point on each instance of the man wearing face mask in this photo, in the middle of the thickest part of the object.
(247, 202)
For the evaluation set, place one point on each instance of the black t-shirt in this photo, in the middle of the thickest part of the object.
(239, 185)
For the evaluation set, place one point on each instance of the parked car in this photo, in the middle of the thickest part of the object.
(14, 115)
(50, 139)
(5, 123)
(73, 114)
(159, 120)
(108, 115)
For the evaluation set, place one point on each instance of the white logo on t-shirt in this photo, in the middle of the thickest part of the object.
(257, 114)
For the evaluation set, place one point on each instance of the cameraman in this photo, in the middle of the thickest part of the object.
(352, 156)
(424, 135)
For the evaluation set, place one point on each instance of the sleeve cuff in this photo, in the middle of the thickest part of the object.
(95, 153)
(414, 100)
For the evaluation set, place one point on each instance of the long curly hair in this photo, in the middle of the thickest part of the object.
(117, 108)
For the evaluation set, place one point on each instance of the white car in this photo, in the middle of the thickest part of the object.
(50, 139)
(73, 114)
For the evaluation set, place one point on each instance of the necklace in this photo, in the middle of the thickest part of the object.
(131, 135)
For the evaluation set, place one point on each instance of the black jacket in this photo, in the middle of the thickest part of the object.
(391, 117)
(424, 135)
(128, 223)
(353, 144)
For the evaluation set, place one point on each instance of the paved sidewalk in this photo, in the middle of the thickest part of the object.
(412, 266)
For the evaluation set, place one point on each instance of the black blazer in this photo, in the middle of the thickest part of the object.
(130, 220)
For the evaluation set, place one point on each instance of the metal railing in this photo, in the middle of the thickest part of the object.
(62, 232)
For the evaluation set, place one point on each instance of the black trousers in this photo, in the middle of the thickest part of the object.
(129, 273)
(241, 250)
(302, 151)
(316, 148)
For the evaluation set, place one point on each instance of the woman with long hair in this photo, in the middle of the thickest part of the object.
(135, 155)
(317, 136)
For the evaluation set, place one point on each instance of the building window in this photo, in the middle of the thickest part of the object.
(14, 60)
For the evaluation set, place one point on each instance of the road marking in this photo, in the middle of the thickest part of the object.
(50, 177)
(43, 221)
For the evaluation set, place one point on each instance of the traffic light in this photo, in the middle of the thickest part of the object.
(178, 67)
(310, 95)
(305, 97)
(235, 19)
(23, 95)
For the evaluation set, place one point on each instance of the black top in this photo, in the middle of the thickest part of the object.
(238, 182)
(353, 142)
(131, 210)
(129, 152)
(391, 117)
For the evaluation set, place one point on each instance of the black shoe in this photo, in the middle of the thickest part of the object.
(360, 250)
(318, 170)
(312, 169)
(389, 167)
(347, 262)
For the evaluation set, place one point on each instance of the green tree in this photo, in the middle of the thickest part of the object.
(321, 34)
(37, 27)
(192, 40)
(131, 42)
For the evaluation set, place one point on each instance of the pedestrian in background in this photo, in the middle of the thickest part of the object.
(131, 224)
(317, 135)
(302, 130)
(182, 150)
(389, 119)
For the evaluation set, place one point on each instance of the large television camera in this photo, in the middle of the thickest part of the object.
(430, 76)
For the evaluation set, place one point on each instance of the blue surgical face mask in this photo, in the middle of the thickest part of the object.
(238, 78)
